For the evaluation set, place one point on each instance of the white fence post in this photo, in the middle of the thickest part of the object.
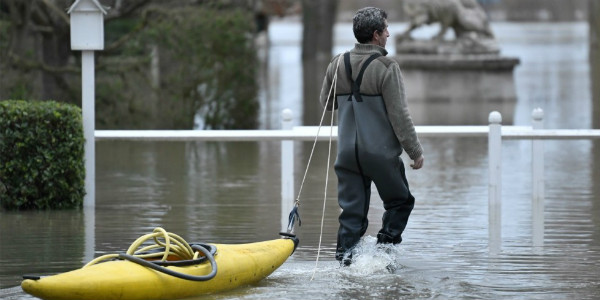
(88, 116)
(537, 204)
(287, 170)
(88, 112)
(495, 182)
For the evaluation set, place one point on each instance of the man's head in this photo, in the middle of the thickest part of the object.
(370, 26)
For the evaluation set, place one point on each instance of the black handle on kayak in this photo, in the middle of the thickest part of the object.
(164, 270)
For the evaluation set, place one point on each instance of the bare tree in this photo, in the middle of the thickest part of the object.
(36, 47)
(183, 41)
(317, 41)
(36, 25)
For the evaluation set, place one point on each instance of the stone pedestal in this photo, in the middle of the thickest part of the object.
(450, 88)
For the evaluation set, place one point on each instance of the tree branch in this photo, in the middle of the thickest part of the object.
(117, 66)
(40, 28)
(127, 8)
(61, 14)
(142, 25)
(123, 66)
(14, 12)
(29, 64)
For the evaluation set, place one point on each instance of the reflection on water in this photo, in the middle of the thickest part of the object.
(229, 193)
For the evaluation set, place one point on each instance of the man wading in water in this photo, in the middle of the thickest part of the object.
(374, 127)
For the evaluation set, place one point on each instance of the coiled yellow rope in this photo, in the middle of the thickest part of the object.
(173, 244)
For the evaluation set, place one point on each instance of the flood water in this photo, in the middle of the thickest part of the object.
(229, 193)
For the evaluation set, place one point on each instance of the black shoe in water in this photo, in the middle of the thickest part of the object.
(346, 262)
(345, 259)
(391, 268)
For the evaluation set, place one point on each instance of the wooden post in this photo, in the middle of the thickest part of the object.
(495, 182)
(537, 159)
(287, 170)
(88, 111)
(87, 35)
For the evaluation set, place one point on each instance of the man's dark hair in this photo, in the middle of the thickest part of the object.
(366, 21)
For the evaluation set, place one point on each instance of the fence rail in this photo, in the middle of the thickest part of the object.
(495, 133)
(308, 133)
(303, 133)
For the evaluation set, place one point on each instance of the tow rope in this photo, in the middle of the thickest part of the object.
(294, 214)
(166, 245)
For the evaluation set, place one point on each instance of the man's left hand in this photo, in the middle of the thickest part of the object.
(418, 163)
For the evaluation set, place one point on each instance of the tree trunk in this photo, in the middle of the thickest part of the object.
(56, 51)
(37, 42)
(594, 21)
(317, 42)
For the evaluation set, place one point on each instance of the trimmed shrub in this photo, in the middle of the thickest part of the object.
(41, 155)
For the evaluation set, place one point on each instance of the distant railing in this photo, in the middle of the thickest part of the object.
(495, 133)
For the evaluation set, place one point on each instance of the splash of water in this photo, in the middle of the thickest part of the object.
(372, 258)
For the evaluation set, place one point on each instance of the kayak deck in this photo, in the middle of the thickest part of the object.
(236, 265)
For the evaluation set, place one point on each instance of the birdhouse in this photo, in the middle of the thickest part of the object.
(87, 25)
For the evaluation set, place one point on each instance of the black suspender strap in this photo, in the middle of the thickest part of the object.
(364, 66)
(355, 85)
(348, 69)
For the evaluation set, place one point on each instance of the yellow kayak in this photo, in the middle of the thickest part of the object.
(229, 266)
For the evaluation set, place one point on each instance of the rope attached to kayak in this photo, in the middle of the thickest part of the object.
(294, 215)
(329, 95)
(166, 245)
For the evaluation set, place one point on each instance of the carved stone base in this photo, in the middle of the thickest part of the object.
(464, 46)
(458, 89)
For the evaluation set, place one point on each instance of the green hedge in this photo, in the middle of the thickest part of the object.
(41, 155)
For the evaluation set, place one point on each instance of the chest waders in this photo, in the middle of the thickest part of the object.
(368, 151)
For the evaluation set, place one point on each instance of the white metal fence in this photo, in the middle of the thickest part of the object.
(495, 133)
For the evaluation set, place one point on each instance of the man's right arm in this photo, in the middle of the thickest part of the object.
(326, 89)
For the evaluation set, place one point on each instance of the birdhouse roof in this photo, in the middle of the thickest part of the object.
(94, 2)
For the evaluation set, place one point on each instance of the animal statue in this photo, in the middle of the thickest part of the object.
(466, 17)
